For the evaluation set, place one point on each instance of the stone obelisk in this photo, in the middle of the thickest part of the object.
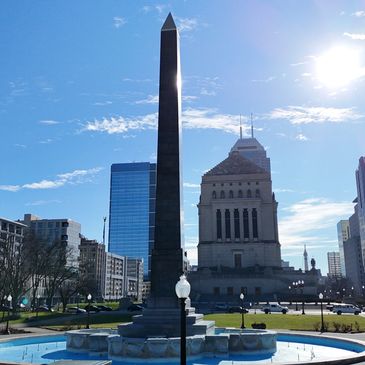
(162, 315)
(167, 255)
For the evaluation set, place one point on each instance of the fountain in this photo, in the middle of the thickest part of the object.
(156, 333)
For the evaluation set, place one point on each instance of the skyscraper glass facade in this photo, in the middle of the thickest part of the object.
(132, 211)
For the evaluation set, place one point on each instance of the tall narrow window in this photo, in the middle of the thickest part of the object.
(231, 194)
(236, 217)
(257, 193)
(240, 193)
(246, 229)
(249, 194)
(214, 194)
(254, 223)
(223, 195)
(237, 260)
(219, 224)
(227, 216)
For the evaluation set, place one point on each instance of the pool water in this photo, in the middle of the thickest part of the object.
(46, 350)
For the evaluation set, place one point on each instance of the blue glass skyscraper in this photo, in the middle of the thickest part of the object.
(132, 211)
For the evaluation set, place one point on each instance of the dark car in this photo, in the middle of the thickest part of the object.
(104, 308)
(237, 309)
(44, 308)
(134, 307)
(75, 310)
(91, 308)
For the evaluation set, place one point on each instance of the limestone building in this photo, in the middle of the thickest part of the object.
(238, 212)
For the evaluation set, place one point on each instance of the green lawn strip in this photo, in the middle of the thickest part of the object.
(113, 305)
(286, 321)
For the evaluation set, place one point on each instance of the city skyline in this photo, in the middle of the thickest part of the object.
(77, 99)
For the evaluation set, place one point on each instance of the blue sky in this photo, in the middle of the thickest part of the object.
(79, 91)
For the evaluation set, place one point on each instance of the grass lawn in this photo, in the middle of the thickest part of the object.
(287, 321)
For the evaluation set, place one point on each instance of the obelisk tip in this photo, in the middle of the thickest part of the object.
(169, 23)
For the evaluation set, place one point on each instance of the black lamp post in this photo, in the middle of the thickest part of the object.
(242, 311)
(182, 290)
(320, 296)
(88, 310)
(295, 286)
(9, 299)
(301, 286)
(37, 309)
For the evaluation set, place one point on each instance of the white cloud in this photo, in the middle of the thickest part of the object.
(160, 8)
(74, 177)
(298, 64)
(189, 98)
(191, 185)
(305, 115)
(48, 122)
(268, 79)
(103, 103)
(301, 137)
(119, 21)
(280, 190)
(191, 119)
(355, 36)
(151, 99)
(42, 202)
(306, 219)
(46, 141)
(207, 92)
(20, 145)
(186, 24)
(359, 13)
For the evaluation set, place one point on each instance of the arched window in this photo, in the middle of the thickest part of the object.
(219, 224)
(257, 193)
(240, 193)
(231, 194)
(214, 194)
(227, 218)
(236, 218)
(246, 227)
(222, 194)
(249, 194)
(255, 232)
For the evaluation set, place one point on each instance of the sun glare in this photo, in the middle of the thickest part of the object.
(339, 66)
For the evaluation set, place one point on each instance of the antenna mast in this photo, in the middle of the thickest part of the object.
(104, 218)
(240, 128)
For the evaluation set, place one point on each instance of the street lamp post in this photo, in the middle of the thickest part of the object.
(301, 285)
(182, 289)
(38, 297)
(295, 286)
(320, 296)
(88, 310)
(242, 312)
(9, 299)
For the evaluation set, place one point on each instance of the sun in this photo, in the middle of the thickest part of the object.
(339, 66)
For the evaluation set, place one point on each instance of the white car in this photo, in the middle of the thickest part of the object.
(346, 308)
(274, 307)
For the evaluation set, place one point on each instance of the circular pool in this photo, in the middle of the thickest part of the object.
(290, 349)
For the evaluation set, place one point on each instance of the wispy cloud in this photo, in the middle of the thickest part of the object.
(268, 79)
(191, 185)
(186, 24)
(20, 145)
(48, 122)
(151, 99)
(306, 219)
(103, 103)
(46, 141)
(305, 115)
(298, 64)
(71, 178)
(359, 13)
(43, 202)
(207, 86)
(204, 118)
(301, 137)
(355, 36)
(281, 190)
(119, 21)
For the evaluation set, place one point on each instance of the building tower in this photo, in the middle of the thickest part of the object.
(360, 183)
(305, 256)
(343, 234)
(132, 211)
(238, 211)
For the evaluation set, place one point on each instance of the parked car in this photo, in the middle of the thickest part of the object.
(134, 307)
(75, 310)
(44, 308)
(104, 308)
(221, 307)
(274, 308)
(329, 307)
(346, 308)
(91, 308)
(237, 309)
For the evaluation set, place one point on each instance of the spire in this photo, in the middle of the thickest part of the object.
(169, 23)
(240, 128)
(251, 125)
(305, 255)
